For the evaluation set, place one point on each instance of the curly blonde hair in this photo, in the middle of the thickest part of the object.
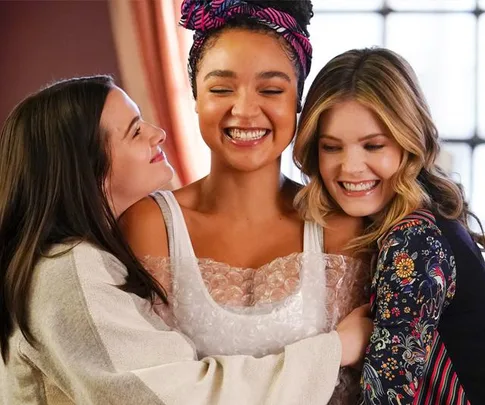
(384, 82)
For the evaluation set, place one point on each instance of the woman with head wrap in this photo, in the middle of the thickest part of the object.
(77, 325)
(245, 275)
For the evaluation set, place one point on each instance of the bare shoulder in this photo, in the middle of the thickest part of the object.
(188, 196)
(144, 229)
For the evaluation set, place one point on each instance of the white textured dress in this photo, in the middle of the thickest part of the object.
(227, 310)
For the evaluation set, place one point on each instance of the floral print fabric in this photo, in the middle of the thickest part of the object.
(413, 283)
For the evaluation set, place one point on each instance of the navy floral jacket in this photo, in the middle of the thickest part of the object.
(413, 283)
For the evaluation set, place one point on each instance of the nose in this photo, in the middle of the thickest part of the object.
(245, 105)
(353, 161)
(158, 136)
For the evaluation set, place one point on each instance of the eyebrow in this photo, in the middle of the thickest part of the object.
(364, 138)
(262, 75)
(274, 73)
(220, 73)
(134, 120)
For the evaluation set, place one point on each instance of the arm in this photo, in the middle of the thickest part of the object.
(102, 345)
(413, 283)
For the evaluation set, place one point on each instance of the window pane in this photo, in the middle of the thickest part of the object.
(455, 159)
(478, 197)
(347, 5)
(481, 76)
(432, 4)
(330, 36)
(441, 49)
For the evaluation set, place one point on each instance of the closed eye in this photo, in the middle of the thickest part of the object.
(373, 147)
(330, 148)
(220, 91)
(272, 91)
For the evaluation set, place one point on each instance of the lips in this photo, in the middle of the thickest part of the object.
(358, 189)
(246, 134)
(359, 186)
(246, 137)
(160, 156)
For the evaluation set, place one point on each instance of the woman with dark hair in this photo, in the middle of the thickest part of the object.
(77, 323)
(245, 274)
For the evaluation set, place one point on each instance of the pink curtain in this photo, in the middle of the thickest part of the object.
(152, 50)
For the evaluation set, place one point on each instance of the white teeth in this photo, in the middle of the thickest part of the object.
(246, 135)
(359, 186)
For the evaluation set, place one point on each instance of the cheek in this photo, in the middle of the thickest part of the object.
(285, 108)
(326, 167)
(127, 160)
(389, 165)
(209, 110)
(286, 120)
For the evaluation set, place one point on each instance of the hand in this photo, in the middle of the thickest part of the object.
(354, 331)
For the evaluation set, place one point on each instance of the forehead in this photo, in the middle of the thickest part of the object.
(119, 109)
(350, 118)
(246, 52)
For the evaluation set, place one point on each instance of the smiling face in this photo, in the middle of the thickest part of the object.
(357, 158)
(246, 99)
(138, 163)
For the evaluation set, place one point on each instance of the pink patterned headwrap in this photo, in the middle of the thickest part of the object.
(204, 15)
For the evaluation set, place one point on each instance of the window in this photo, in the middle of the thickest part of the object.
(444, 40)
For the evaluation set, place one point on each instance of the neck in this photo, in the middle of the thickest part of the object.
(249, 196)
(118, 205)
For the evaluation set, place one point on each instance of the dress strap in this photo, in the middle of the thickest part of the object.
(179, 242)
(313, 237)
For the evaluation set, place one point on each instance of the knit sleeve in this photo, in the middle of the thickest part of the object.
(413, 283)
(102, 345)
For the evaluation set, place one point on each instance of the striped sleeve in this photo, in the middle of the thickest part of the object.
(440, 384)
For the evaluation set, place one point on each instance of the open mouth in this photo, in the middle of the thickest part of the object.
(363, 186)
(246, 135)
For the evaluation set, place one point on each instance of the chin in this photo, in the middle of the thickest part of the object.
(357, 212)
(166, 178)
(246, 166)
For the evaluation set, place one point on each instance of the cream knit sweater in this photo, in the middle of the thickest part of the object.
(99, 345)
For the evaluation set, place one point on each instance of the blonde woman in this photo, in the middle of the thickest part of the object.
(368, 145)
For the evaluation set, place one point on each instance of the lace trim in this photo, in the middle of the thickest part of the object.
(282, 301)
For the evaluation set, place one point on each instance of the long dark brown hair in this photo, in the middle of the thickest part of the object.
(54, 159)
